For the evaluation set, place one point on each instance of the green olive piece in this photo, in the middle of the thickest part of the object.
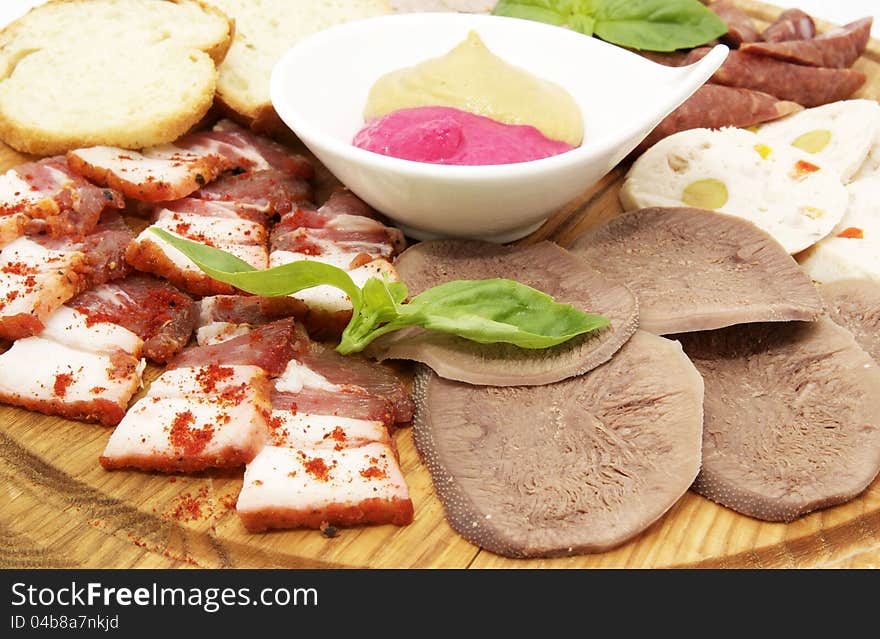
(705, 194)
(813, 141)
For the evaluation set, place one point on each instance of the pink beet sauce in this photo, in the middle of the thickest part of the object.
(444, 135)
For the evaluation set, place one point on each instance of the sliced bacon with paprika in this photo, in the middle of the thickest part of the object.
(172, 171)
(38, 275)
(47, 198)
(154, 310)
(74, 368)
(209, 416)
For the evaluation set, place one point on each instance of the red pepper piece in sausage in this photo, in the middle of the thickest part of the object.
(808, 86)
(793, 24)
(714, 106)
(837, 49)
(740, 27)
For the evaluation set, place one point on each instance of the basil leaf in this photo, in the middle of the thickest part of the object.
(280, 280)
(378, 314)
(537, 10)
(500, 310)
(583, 24)
(653, 25)
(657, 25)
(485, 311)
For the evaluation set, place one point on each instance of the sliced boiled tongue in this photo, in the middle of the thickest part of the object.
(855, 305)
(544, 266)
(695, 270)
(792, 417)
(578, 466)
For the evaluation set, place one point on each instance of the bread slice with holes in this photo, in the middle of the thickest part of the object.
(127, 73)
(264, 30)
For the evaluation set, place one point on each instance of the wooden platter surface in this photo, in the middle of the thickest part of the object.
(59, 508)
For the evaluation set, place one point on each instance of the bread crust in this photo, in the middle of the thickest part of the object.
(146, 128)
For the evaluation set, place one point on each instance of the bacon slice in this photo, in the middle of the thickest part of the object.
(311, 487)
(305, 430)
(257, 195)
(354, 372)
(173, 171)
(75, 368)
(211, 416)
(34, 282)
(45, 197)
(837, 49)
(165, 172)
(251, 152)
(343, 226)
(38, 275)
(154, 310)
(211, 223)
(359, 406)
(301, 366)
(270, 347)
(223, 317)
(342, 233)
(792, 24)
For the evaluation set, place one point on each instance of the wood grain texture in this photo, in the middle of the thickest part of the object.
(59, 508)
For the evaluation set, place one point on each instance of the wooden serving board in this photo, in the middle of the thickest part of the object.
(59, 508)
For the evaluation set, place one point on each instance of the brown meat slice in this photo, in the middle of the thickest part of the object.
(791, 417)
(696, 270)
(837, 49)
(740, 28)
(714, 106)
(579, 466)
(808, 86)
(855, 305)
(792, 24)
(104, 251)
(152, 309)
(544, 266)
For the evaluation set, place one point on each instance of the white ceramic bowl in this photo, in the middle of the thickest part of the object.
(320, 87)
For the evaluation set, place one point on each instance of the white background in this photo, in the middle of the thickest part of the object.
(839, 11)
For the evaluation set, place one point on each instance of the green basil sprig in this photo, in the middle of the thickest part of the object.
(484, 311)
(651, 25)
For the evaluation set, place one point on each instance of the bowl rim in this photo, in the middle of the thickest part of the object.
(310, 133)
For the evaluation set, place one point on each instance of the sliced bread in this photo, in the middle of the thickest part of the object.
(264, 30)
(128, 73)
